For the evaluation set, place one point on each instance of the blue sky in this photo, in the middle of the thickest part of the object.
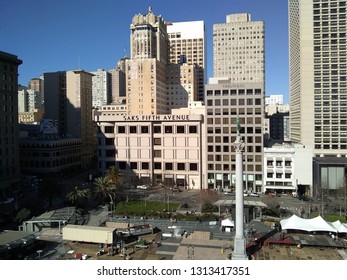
(58, 35)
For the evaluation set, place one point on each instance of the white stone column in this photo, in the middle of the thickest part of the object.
(239, 252)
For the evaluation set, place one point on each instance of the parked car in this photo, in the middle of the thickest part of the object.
(229, 193)
(254, 194)
(142, 187)
(245, 194)
(175, 189)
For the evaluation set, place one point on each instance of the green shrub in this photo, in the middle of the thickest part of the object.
(208, 208)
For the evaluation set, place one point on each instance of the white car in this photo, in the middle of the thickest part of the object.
(245, 194)
(142, 187)
(254, 194)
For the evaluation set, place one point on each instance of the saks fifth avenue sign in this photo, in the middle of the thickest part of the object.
(156, 118)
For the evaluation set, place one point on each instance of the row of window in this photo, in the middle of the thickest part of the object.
(232, 92)
(232, 167)
(279, 175)
(287, 163)
(169, 166)
(332, 147)
(156, 129)
(226, 177)
(63, 162)
(233, 102)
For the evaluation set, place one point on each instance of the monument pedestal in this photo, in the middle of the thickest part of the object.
(239, 249)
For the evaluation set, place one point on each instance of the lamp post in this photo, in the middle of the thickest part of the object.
(239, 252)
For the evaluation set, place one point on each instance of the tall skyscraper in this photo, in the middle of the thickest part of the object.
(146, 68)
(239, 49)
(182, 85)
(101, 90)
(118, 87)
(188, 40)
(9, 143)
(317, 65)
(236, 94)
(69, 101)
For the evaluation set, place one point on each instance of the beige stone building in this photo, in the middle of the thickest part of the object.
(239, 49)
(146, 68)
(182, 85)
(154, 149)
(30, 117)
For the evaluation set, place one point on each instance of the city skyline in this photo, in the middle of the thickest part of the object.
(67, 36)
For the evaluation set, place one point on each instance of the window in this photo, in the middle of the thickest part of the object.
(180, 129)
(144, 165)
(133, 165)
(193, 129)
(122, 165)
(180, 166)
(193, 166)
(168, 166)
(157, 165)
(157, 153)
(109, 141)
(133, 129)
(168, 129)
(157, 141)
(109, 129)
(157, 129)
(121, 129)
(144, 129)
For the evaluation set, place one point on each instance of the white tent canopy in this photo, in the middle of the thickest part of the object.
(340, 227)
(310, 225)
(228, 223)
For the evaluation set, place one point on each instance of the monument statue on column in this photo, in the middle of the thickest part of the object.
(239, 252)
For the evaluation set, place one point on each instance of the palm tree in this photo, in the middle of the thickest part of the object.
(76, 195)
(105, 188)
(115, 175)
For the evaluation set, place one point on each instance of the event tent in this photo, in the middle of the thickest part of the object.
(310, 225)
(228, 223)
(340, 227)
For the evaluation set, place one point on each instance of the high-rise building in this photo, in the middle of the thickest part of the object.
(101, 90)
(276, 99)
(187, 40)
(9, 131)
(29, 99)
(317, 70)
(226, 105)
(146, 68)
(239, 49)
(236, 95)
(118, 88)
(182, 85)
(69, 102)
